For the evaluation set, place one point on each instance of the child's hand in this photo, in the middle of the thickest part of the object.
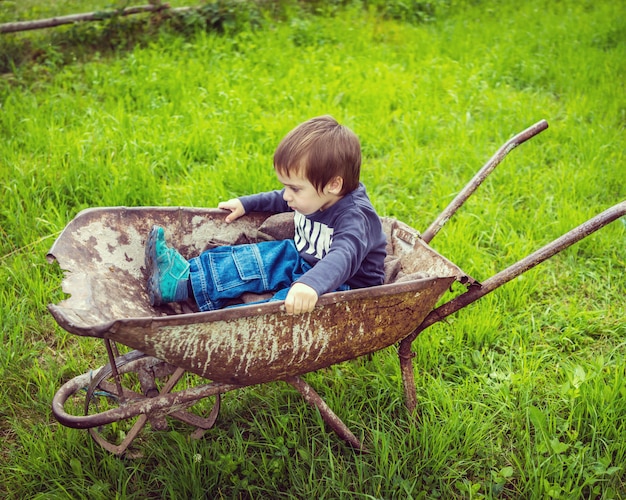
(236, 209)
(300, 299)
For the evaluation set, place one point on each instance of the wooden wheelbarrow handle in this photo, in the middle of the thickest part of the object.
(482, 174)
(537, 257)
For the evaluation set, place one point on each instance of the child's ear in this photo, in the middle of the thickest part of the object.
(335, 185)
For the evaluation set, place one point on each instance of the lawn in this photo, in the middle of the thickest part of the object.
(520, 395)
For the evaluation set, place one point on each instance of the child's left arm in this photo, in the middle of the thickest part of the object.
(348, 249)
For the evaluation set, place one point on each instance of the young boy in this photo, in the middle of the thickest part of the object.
(339, 241)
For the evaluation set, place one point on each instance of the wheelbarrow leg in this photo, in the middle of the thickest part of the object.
(333, 421)
(408, 374)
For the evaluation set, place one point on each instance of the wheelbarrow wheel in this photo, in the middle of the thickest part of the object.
(136, 377)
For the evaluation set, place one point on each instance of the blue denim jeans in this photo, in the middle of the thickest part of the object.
(225, 273)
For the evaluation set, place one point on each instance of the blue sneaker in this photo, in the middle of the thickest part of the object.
(165, 266)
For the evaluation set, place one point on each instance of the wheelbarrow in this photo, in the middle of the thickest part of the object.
(253, 342)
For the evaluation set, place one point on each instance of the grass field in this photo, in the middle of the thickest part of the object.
(520, 395)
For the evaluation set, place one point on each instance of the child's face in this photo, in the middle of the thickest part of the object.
(302, 196)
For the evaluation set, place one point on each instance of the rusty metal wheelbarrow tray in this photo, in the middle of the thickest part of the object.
(102, 252)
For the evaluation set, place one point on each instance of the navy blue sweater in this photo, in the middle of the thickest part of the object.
(344, 243)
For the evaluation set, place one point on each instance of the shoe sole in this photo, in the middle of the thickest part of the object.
(154, 278)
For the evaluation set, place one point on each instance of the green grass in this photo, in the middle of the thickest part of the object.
(521, 395)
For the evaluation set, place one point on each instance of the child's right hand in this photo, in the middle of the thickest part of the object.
(236, 209)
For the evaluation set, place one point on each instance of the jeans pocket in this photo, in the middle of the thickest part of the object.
(233, 267)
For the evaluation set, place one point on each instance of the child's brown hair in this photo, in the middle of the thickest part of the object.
(321, 149)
